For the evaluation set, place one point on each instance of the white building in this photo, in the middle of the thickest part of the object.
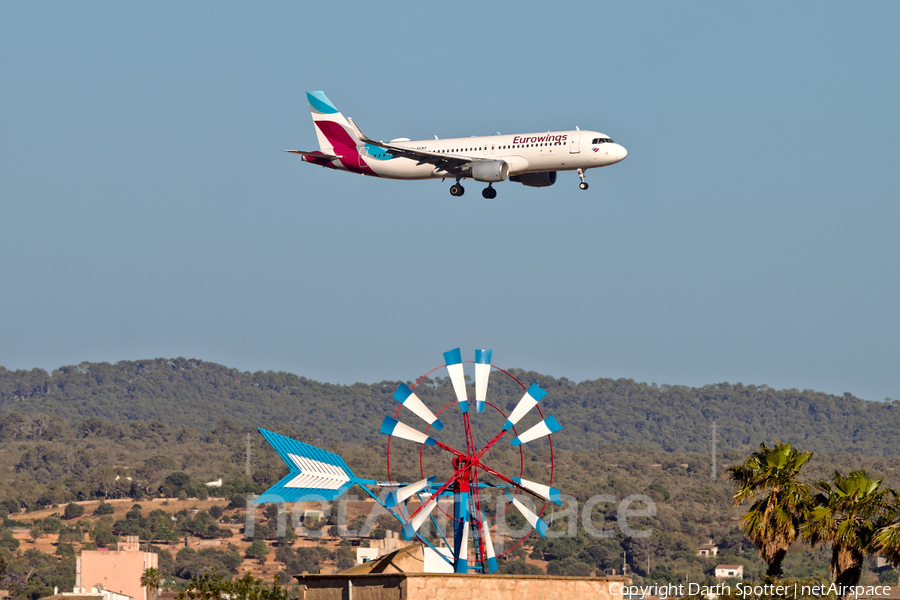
(729, 571)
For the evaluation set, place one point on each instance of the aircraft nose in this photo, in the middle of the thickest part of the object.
(620, 152)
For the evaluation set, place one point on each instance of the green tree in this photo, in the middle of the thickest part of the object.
(772, 522)
(257, 549)
(73, 511)
(519, 567)
(104, 508)
(152, 580)
(212, 586)
(887, 539)
(847, 513)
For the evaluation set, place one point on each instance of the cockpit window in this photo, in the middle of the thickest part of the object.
(605, 140)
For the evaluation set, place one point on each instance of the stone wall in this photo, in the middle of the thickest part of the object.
(428, 586)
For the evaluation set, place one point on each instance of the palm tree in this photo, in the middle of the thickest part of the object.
(848, 513)
(887, 538)
(772, 522)
(152, 580)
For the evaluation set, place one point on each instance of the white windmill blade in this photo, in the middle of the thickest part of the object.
(410, 529)
(546, 492)
(391, 426)
(527, 402)
(464, 547)
(532, 518)
(545, 427)
(408, 491)
(482, 374)
(488, 545)
(453, 360)
(407, 398)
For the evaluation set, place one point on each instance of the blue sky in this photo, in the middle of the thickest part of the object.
(750, 236)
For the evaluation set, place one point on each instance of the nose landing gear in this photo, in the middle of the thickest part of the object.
(583, 185)
(489, 192)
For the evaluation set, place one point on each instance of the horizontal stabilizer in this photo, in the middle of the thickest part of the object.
(315, 154)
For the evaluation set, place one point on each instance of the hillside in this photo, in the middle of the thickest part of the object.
(197, 394)
(147, 431)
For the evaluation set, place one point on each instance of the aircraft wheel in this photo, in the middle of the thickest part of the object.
(457, 190)
(489, 193)
(583, 185)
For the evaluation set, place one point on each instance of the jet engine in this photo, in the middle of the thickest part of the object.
(490, 171)
(542, 179)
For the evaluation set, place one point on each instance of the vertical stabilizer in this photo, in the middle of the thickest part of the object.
(332, 128)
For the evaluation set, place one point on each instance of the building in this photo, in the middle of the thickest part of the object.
(729, 571)
(416, 558)
(379, 547)
(428, 586)
(116, 571)
(708, 549)
(92, 594)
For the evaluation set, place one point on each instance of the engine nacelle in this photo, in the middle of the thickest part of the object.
(490, 171)
(542, 179)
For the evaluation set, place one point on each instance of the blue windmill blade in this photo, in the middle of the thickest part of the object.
(534, 395)
(489, 555)
(535, 521)
(546, 427)
(482, 374)
(406, 492)
(315, 473)
(407, 398)
(453, 360)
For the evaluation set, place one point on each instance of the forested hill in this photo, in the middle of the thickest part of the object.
(197, 394)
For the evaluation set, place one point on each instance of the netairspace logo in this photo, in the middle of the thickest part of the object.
(635, 506)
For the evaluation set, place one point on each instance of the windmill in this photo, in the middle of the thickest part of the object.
(316, 474)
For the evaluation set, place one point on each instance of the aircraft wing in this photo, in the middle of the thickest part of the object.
(452, 163)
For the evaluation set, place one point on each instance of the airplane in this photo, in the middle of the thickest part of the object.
(532, 159)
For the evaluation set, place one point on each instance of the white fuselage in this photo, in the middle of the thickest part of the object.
(524, 153)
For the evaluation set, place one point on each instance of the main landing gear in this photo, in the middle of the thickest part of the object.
(457, 190)
(583, 185)
(489, 192)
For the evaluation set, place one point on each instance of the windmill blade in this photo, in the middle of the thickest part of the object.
(391, 426)
(406, 492)
(410, 529)
(482, 374)
(551, 494)
(532, 518)
(315, 474)
(488, 545)
(545, 427)
(453, 360)
(462, 558)
(527, 402)
(407, 398)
